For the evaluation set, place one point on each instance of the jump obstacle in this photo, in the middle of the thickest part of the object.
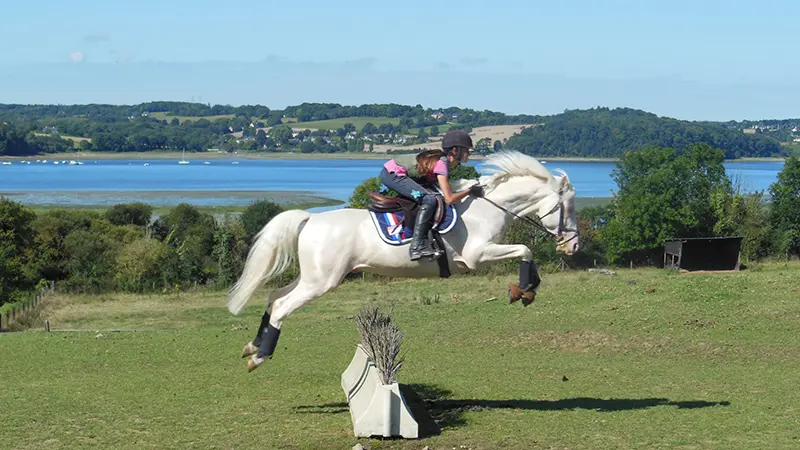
(377, 407)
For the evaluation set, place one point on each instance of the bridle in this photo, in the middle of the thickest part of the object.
(557, 237)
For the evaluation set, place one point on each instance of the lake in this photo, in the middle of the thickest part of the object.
(207, 184)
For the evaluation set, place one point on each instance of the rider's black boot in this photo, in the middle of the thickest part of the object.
(420, 244)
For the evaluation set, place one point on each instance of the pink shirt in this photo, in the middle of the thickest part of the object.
(440, 168)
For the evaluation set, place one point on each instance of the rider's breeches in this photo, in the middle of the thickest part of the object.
(407, 187)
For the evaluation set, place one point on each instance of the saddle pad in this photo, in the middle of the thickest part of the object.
(392, 231)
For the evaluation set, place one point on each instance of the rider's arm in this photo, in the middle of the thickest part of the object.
(449, 196)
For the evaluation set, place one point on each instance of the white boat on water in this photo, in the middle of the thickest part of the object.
(183, 158)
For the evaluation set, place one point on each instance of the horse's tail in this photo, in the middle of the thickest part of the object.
(272, 252)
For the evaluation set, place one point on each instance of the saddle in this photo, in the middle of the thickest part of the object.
(389, 204)
(394, 219)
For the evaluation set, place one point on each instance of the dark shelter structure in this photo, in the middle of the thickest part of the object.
(709, 253)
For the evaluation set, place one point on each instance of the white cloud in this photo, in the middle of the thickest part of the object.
(77, 57)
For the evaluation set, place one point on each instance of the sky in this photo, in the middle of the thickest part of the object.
(703, 60)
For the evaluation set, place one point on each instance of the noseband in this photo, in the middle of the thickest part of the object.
(557, 237)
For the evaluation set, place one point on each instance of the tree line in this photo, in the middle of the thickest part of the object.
(597, 132)
(611, 133)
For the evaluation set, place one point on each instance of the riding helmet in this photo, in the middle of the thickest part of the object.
(456, 138)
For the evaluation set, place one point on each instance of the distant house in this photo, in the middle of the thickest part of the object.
(749, 131)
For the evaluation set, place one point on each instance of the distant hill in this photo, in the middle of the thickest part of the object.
(330, 128)
(609, 133)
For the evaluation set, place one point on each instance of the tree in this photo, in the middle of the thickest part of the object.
(281, 134)
(261, 138)
(664, 193)
(16, 239)
(785, 210)
(368, 129)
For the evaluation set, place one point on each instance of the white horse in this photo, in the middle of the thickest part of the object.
(332, 244)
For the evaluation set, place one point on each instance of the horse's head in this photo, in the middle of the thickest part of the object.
(528, 188)
(557, 214)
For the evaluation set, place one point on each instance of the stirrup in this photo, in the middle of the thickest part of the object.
(426, 252)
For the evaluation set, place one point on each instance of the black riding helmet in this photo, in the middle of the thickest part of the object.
(459, 139)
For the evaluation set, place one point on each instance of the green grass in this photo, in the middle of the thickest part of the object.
(182, 119)
(335, 124)
(642, 359)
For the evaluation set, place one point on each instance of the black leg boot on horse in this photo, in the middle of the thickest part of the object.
(420, 242)
(528, 283)
(252, 347)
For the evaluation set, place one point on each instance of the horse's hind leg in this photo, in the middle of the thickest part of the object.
(304, 292)
(252, 346)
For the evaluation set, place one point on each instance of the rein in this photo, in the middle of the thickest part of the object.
(561, 228)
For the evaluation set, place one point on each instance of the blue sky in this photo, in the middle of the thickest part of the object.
(710, 60)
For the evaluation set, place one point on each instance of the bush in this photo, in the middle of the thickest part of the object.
(16, 240)
(52, 229)
(230, 251)
(140, 264)
(130, 214)
(90, 261)
(258, 214)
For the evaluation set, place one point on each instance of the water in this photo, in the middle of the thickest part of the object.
(165, 181)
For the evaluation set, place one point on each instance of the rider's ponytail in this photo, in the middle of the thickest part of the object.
(427, 160)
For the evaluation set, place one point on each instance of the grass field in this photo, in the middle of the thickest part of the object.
(182, 119)
(642, 359)
(76, 140)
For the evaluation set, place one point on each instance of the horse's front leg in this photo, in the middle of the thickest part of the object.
(528, 275)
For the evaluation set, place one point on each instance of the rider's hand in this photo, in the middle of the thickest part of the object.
(476, 190)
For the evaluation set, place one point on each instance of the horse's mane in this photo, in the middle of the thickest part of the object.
(506, 164)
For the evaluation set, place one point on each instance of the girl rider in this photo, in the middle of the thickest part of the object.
(432, 167)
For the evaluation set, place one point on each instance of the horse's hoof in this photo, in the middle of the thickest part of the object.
(528, 298)
(253, 363)
(514, 293)
(249, 349)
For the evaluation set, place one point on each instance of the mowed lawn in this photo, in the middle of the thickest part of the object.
(641, 359)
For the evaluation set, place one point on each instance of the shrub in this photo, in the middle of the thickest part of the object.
(16, 239)
(258, 214)
(139, 266)
(130, 214)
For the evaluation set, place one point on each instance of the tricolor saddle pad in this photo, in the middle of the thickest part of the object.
(394, 218)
